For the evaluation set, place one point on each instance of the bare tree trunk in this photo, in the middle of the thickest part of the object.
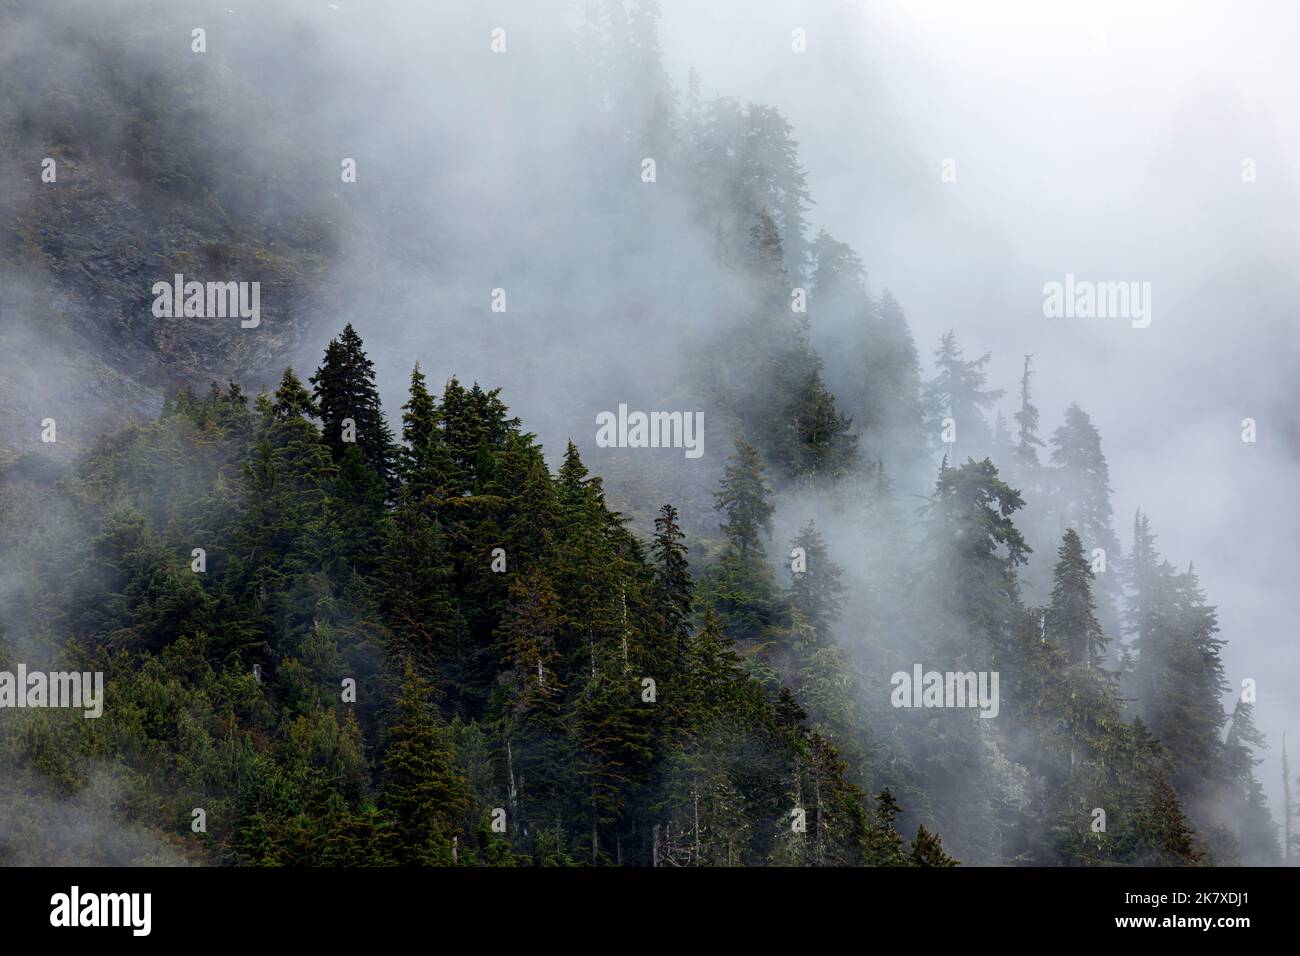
(695, 799)
(510, 769)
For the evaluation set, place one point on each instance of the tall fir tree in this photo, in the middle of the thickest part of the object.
(1078, 485)
(816, 588)
(957, 391)
(1071, 619)
(350, 410)
(744, 498)
(673, 582)
(1027, 440)
(422, 785)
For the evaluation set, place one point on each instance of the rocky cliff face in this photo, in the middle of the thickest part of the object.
(127, 159)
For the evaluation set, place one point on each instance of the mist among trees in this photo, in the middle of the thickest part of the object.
(351, 604)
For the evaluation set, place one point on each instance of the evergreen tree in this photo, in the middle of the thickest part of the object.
(957, 392)
(772, 179)
(422, 784)
(530, 517)
(344, 390)
(839, 277)
(1027, 442)
(537, 757)
(765, 261)
(1179, 674)
(614, 754)
(673, 580)
(816, 442)
(286, 495)
(1079, 495)
(884, 845)
(1166, 837)
(1071, 620)
(424, 461)
(976, 550)
(816, 592)
(927, 850)
(414, 588)
(475, 427)
(744, 498)
(528, 636)
(887, 400)
(1253, 824)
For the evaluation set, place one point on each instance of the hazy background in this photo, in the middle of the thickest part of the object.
(1103, 139)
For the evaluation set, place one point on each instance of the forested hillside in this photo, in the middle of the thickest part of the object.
(365, 651)
(335, 633)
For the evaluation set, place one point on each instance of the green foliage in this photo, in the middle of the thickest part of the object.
(1071, 618)
(744, 498)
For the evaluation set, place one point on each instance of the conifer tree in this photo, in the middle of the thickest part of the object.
(766, 260)
(527, 635)
(1179, 673)
(285, 490)
(1027, 441)
(475, 426)
(1079, 498)
(422, 785)
(589, 575)
(1146, 588)
(1167, 838)
(424, 461)
(357, 515)
(344, 389)
(1254, 827)
(673, 579)
(614, 753)
(976, 549)
(927, 849)
(773, 181)
(887, 401)
(744, 498)
(538, 755)
(957, 391)
(530, 518)
(414, 589)
(817, 591)
(839, 277)
(816, 442)
(884, 845)
(1071, 620)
